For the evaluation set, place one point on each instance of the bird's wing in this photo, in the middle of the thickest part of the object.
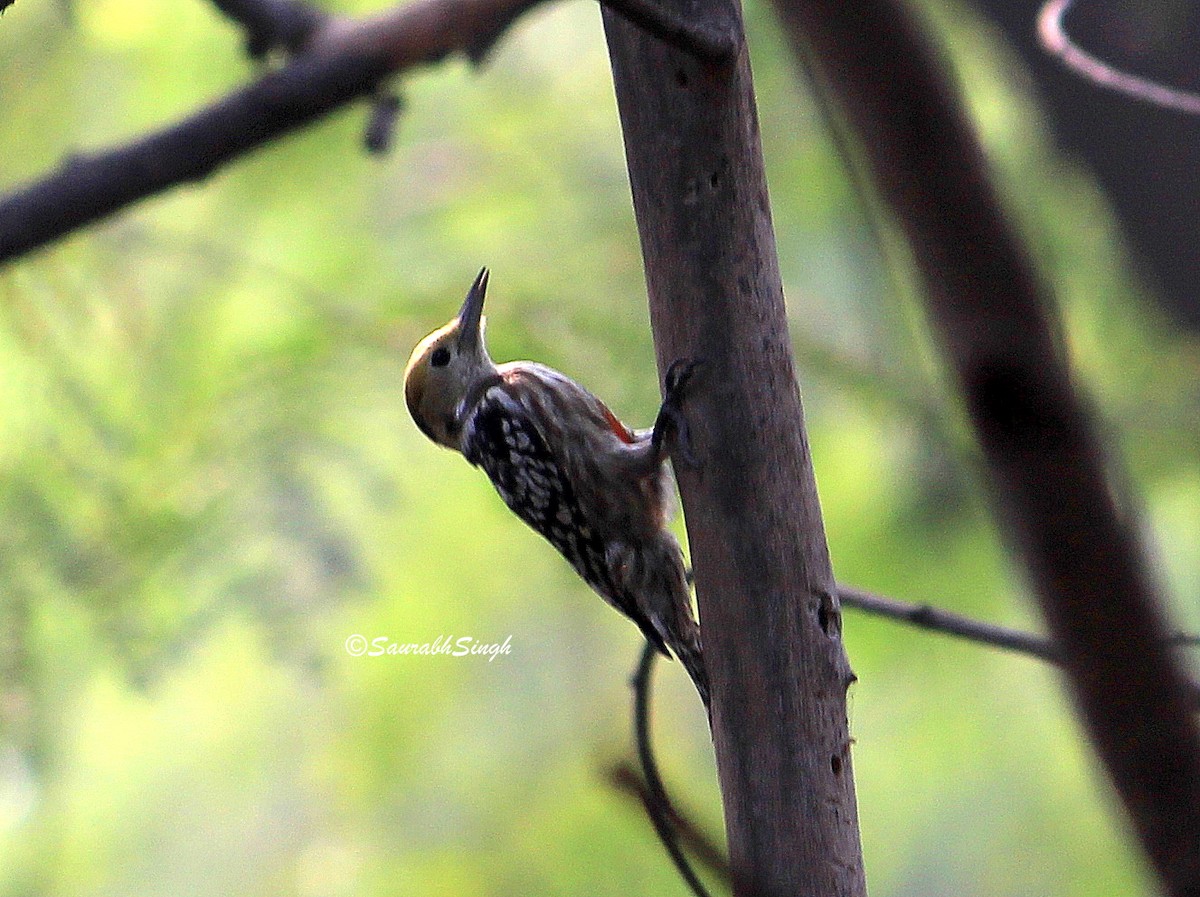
(500, 436)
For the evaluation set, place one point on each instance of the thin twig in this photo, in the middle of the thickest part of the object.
(658, 805)
(626, 780)
(950, 623)
(1055, 40)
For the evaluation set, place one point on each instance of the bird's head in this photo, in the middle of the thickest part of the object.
(445, 365)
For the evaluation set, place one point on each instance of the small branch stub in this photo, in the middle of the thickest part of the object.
(381, 127)
(273, 24)
(712, 36)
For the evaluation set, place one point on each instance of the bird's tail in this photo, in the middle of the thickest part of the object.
(692, 658)
(669, 605)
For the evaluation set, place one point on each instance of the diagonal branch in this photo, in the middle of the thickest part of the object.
(343, 61)
(991, 311)
(336, 62)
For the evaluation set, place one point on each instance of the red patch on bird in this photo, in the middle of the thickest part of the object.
(617, 427)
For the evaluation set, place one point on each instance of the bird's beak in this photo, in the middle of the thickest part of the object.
(471, 313)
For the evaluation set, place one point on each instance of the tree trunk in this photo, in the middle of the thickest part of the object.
(768, 604)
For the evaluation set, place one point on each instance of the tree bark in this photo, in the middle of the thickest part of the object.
(768, 602)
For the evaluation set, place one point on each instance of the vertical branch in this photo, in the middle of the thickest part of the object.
(992, 315)
(768, 604)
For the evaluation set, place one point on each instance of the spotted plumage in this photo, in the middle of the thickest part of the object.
(499, 436)
(598, 491)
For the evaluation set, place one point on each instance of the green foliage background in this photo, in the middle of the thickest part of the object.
(208, 482)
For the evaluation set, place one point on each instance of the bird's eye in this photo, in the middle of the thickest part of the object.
(440, 357)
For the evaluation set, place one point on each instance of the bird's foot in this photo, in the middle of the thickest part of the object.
(671, 417)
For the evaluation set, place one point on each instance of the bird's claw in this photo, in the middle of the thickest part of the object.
(671, 415)
(678, 375)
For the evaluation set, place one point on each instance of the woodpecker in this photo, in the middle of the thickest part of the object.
(597, 490)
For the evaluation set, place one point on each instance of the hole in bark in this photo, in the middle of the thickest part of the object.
(835, 763)
(829, 618)
(681, 77)
(714, 179)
